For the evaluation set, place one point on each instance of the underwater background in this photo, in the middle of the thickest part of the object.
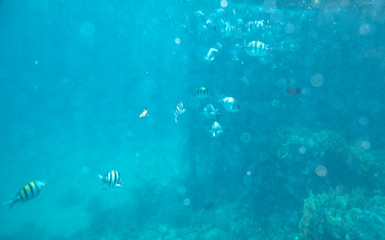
(303, 158)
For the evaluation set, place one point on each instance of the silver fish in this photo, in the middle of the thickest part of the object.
(216, 129)
(230, 104)
(112, 179)
(29, 191)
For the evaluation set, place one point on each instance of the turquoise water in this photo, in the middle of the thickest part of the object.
(303, 158)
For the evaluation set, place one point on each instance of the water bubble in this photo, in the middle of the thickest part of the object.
(317, 80)
(177, 41)
(248, 173)
(245, 137)
(321, 171)
(87, 29)
(302, 150)
(85, 170)
(364, 29)
(224, 3)
(365, 145)
(186, 202)
(363, 121)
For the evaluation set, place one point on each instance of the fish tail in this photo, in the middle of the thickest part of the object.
(10, 203)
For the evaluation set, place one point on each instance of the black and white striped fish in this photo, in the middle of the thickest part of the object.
(216, 129)
(28, 192)
(179, 110)
(112, 179)
(202, 92)
(256, 49)
(230, 104)
(254, 25)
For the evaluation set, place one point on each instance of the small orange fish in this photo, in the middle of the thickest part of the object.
(144, 113)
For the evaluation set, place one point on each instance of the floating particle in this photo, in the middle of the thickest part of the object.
(321, 171)
(317, 80)
(224, 3)
(302, 150)
(177, 41)
(245, 137)
(365, 145)
(186, 202)
(87, 29)
(248, 173)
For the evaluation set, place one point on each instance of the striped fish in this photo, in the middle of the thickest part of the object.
(179, 110)
(216, 129)
(230, 104)
(202, 92)
(254, 25)
(256, 49)
(28, 192)
(112, 179)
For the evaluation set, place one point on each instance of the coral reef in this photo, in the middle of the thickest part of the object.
(336, 216)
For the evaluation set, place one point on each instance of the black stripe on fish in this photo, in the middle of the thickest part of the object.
(33, 193)
(25, 194)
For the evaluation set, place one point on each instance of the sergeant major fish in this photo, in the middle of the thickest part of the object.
(202, 92)
(112, 179)
(210, 112)
(256, 49)
(28, 192)
(216, 129)
(179, 110)
(230, 104)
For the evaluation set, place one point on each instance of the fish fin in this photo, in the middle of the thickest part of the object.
(10, 203)
(101, 178)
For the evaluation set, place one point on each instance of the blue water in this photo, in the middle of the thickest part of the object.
(303, 158)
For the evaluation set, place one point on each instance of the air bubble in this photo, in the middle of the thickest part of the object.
(365, 145)
(364, 29)
(224, 3)
(186, 202)
(321, 171)
(245, 137)
(289, 28)
(317, 80)
(302, 150)
(363, 121)
(177, 41)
